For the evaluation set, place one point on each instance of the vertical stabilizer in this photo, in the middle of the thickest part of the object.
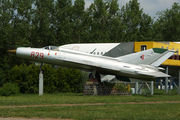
(154, 57)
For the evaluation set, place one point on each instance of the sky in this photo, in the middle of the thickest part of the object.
(150, 7)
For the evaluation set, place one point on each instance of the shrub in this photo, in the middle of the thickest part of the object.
(106, 83)
(59, 80)
(26, 77)
(8, 89)
(120, 87)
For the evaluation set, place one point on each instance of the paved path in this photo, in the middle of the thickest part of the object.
(23, 106)
(31, 119)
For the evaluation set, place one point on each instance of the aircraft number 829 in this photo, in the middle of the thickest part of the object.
(36, 54)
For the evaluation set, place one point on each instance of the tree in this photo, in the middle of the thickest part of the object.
(63, 24)
(41, 22)
(78, 20)
(115, 22)
(137, 24)
(23, 22)
(5, 22)
(102, 20)
(167, 26)
(145, 30)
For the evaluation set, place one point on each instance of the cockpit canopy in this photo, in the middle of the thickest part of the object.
(51, 47)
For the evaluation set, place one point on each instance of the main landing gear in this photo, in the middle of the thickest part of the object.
(95, 78)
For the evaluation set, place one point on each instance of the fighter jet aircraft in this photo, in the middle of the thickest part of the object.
(141, 65)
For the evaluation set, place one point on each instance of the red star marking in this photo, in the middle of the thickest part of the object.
(142, 57)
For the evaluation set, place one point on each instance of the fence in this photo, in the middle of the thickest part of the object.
(158, 88)
(144, 88)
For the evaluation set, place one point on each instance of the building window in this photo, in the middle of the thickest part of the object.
(166, 47)
(143, 47)
(101, 53)
(162, 47)
(97, 53)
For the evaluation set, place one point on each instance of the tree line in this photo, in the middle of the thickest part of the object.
(38, 23)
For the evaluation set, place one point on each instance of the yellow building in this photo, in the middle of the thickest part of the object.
(172, 61)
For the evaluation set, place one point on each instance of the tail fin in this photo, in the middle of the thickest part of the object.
(154, 57)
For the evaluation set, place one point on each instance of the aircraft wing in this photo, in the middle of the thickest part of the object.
(113, 71)
(90, 66)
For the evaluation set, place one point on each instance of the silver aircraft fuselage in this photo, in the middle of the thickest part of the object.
(85, 61)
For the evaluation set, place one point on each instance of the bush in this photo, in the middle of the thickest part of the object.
(26, 77)
(106, 83)
(64, 80)
(60, 79)
(120, 87)
(8, 89)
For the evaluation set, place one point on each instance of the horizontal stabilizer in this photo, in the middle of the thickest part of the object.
(153, 74)
(152, 67)
(163, 58)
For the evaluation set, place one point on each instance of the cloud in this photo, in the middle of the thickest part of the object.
(88, 3)
(150, 7)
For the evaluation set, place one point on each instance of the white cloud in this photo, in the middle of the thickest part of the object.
(88, 3)
(150, 7)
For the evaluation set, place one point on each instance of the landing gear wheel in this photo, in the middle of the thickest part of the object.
(96, 79)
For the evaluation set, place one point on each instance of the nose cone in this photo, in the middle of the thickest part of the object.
(23, 52)
(11, 51)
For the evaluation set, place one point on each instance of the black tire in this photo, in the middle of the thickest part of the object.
(97, 76)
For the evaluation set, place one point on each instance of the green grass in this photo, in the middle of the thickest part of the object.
(121, 111)
(137, 111)
(74, 98)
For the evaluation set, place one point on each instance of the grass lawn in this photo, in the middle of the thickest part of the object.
(136, 111)
(110, 111)
(75, 98)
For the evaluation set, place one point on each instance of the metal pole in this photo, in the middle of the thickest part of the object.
(140, 89)
(152, 89)
(40, 83)
(166, 81)
(170, 87)
(136, 88)
(157, 80)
